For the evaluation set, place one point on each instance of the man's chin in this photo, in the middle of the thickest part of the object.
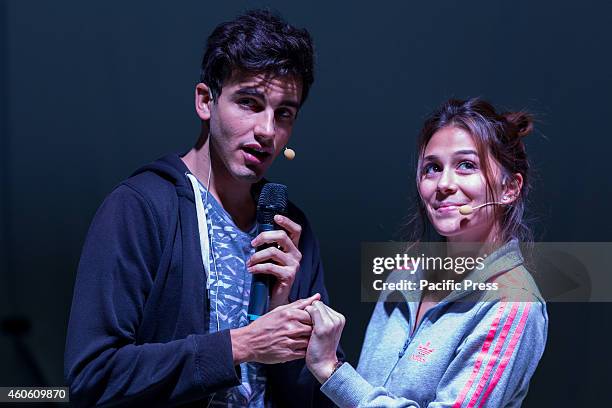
(249, 175)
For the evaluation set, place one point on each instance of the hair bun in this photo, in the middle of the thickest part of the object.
(522, 122)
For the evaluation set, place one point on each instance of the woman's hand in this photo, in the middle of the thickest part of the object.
(276, 337)
(281, 260)
(327, 329)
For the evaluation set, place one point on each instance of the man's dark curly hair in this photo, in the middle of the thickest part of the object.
(258, 42)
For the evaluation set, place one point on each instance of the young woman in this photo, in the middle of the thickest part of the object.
(459, 348)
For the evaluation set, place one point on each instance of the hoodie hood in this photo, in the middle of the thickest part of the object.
(173, 169)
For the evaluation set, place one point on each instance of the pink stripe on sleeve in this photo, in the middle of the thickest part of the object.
(498, 347)
(508, 354)
(483, 353)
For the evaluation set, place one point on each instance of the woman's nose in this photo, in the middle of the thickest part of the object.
(447, 183)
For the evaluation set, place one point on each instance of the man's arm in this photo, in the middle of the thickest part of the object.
(103, 363)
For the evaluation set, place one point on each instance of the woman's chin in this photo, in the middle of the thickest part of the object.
(448, 228)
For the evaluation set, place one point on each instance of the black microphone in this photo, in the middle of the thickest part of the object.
(272, 201)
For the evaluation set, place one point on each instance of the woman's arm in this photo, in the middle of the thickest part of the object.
(492, 366)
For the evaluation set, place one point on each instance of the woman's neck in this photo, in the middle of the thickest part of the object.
(476, 244)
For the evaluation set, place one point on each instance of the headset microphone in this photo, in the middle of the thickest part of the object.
(468, 209)
(289, 153)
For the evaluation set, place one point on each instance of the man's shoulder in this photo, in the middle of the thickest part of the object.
(164, 176)
(155, 184)
(160, 177)
(150, 185)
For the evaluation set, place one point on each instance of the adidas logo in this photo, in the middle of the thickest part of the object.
(423, 350)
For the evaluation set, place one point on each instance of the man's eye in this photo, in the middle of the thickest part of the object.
(247, 102)
(285, 114)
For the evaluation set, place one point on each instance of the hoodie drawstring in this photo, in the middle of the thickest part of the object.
(202, 227)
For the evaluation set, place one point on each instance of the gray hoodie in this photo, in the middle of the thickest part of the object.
(473, 349)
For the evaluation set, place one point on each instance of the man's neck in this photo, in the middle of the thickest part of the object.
(233, 195)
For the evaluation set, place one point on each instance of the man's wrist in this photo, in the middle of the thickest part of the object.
(240, 350)
(274, 304)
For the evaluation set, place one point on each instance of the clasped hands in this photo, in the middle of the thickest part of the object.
(306, 328)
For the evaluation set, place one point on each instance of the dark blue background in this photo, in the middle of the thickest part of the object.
(91, 90)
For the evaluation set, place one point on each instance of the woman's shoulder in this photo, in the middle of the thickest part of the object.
(515, 285)
(516, 303)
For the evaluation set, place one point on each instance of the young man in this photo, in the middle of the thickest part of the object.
(159, 309)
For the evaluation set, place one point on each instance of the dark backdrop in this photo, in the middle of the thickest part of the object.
(92, 90)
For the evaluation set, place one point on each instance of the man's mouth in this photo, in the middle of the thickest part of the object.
(255, 154)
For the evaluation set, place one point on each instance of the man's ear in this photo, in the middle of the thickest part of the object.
(203, 100)
(512, 189)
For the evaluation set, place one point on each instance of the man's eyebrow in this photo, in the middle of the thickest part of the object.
(252, 91)
(291, 103)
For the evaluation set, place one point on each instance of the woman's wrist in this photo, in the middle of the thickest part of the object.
(323, 371)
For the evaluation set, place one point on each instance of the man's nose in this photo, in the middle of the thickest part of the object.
(265, 126)
(447, 184)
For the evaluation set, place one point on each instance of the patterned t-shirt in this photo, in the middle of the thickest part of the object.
(230, 285)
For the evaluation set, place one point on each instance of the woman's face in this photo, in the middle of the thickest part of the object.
(451, 176)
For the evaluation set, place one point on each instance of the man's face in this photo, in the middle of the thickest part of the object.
(252, 121)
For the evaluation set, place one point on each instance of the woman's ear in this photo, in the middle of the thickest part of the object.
(512, 189)
(203, 100)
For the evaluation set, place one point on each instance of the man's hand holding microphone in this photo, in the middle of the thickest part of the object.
(306, 328)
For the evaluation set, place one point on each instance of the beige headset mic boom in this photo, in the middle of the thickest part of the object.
(468, 209)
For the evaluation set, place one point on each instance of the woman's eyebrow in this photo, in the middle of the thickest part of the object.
(458, 152)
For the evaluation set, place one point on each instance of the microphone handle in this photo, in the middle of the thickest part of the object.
(259, 298)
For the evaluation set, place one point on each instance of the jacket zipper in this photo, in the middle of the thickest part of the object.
(410, 337)
(407, 343)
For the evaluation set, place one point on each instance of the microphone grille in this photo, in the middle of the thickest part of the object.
(272, 200)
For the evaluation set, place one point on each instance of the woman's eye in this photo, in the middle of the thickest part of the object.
(467, 165)
(430, 168)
